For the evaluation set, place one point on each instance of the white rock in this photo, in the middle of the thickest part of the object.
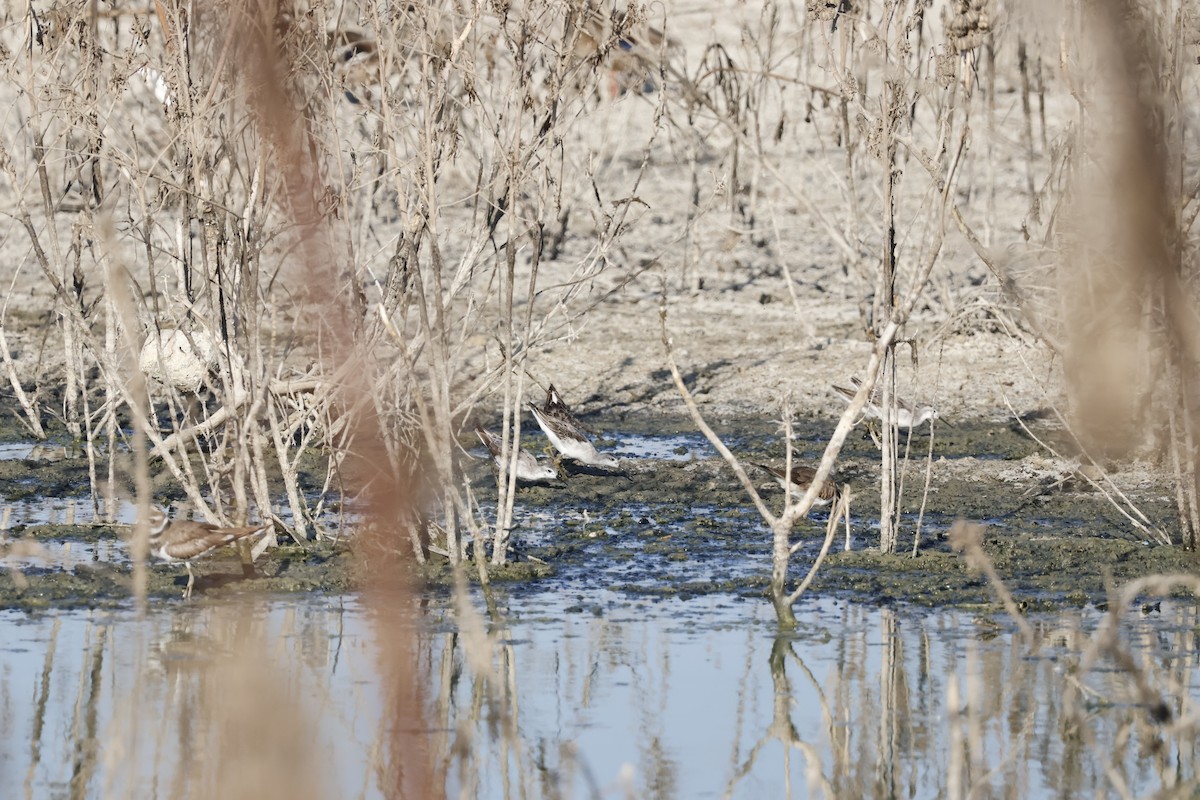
(176, 362)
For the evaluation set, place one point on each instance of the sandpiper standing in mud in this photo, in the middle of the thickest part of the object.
(801, 479)
(567, 434)
(528, 468)
(184, 540)
(907, 415)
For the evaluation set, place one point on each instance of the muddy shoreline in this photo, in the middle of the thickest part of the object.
(679, 525)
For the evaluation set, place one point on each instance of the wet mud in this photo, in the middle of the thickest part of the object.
(675, 522)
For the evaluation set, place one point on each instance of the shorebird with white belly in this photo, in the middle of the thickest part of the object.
(528, 468)
(567, 434)
(907, 415)
(184, 540)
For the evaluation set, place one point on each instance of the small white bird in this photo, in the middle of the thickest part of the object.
(528, 468)
(907, 415)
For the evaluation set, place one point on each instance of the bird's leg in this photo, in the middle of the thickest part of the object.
(187, 593)
(557, 460)
(871, 429)
(844, 504)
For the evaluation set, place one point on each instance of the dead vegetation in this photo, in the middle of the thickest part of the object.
(334, 213)
(291, 253)
(298, 221)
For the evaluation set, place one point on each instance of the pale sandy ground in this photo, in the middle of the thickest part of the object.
(748, 346)
(747, 358)
(743, 342)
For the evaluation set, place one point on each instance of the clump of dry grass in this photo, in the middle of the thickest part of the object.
(290, 252)
(898, 118)
(344, 213)
(281, 203)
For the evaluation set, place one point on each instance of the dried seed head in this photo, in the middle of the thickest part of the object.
(827, 10)
(946, 69)
(969, 25)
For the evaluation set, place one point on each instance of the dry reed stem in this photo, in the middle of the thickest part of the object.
(841, 509)
(388, 594)
(781, 526)
(32, 418)
(967, 538)
(924, 489)
(1107, 641)
(1142, 523)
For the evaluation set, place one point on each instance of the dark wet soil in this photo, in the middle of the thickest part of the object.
(678, 524)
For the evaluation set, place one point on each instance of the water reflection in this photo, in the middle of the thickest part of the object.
(628, 698)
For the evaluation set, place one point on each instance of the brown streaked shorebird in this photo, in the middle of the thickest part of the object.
(802, 478)
(631, 52)
(528, 468)
(554, 400)
(907, 415)
(184, 540)
(567, 434)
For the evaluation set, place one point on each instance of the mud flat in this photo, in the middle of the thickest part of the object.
(676, 525)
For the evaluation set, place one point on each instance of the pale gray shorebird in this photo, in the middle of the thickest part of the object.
(907, 415)
(567, 434)
(802, 478)
(528, 468)
(184, 540)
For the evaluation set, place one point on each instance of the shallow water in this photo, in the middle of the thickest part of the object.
(644, 662)
(598, 695)
(41, 510)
